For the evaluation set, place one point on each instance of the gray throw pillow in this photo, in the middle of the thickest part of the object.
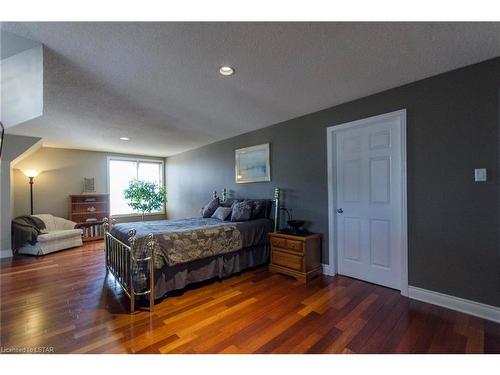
(210, 208)
(222, 213)
(229, 202)
(241, 211)
(259, 209)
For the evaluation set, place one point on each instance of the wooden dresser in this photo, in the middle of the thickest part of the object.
(88, 211)
(297, 256)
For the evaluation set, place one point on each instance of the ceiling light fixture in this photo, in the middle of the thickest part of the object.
(226, 70)
(124, 138)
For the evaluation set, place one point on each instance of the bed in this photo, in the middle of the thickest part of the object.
(153, 258)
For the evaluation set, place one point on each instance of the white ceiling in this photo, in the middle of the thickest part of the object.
(157, 83)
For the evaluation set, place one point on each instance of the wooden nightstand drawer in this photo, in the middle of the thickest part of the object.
(278, 242)
(287, 260)
(295, 245)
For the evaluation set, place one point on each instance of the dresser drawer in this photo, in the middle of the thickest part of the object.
(278, 242)
(287, 260)
(295, 245)
(287, 244)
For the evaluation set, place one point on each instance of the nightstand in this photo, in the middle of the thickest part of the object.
(296, 256)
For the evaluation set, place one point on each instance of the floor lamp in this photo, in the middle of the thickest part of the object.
(31, 174)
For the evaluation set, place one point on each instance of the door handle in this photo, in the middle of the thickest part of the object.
(340, 210)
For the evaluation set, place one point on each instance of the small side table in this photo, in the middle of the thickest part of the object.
(295, 255)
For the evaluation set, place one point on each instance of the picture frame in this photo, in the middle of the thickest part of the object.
(252, 164)
(88, 185)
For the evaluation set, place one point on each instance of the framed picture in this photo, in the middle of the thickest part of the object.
(252, 164)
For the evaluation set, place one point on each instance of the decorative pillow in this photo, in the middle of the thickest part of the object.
(229, 202)
(259, 209)
(210, 208)
(241, 211)
(222, 213)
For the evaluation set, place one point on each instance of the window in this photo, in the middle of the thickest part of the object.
(123, 170)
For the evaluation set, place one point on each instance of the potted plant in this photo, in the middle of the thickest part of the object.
(144, 196)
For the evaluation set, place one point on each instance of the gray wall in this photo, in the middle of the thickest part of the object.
(15, 147)
(62, 173)
(453, 127)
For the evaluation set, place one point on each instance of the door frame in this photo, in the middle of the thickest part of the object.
(332, 200)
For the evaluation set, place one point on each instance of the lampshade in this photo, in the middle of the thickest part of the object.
(31, 173)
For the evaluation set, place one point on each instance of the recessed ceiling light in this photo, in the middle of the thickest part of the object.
(226, 71)
(124, 138)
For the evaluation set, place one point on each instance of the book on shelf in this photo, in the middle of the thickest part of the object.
(93, 231)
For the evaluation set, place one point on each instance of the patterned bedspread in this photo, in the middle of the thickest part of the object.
(185, 240)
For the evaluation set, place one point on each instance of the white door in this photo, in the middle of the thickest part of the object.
(369, 188)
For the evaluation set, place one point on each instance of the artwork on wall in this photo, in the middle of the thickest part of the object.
(252, 164)
(88, 185)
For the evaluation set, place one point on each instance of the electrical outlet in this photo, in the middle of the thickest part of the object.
(480, 175)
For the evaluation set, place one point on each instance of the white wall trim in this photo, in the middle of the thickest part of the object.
(7, 253)
(328, 270)
(332, 225)
(404, 208)
(480, 310)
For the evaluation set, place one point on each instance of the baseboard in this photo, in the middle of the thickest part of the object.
(480, 310)
(327, 270)
(6, 253)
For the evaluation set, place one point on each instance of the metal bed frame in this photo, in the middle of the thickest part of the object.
(121, 259)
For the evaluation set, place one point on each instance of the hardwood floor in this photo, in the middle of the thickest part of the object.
(65, 301)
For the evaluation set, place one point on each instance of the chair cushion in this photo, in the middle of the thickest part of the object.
(59, 234)
(48, 220)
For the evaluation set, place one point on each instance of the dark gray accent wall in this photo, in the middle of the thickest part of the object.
(452, 128)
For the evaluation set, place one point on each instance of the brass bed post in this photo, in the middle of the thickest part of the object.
(151, 244)
(276, 208)
(122, 259)
(132, 241)
(105, 225)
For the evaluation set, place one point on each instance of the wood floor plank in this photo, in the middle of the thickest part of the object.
(341, 343)
(474, 331)
(89, 347)
(67, 301)
(231, 349)
(29, 270)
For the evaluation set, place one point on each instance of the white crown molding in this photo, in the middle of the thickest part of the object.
(480, 310)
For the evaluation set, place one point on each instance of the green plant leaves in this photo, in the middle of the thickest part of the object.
(144, 196)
